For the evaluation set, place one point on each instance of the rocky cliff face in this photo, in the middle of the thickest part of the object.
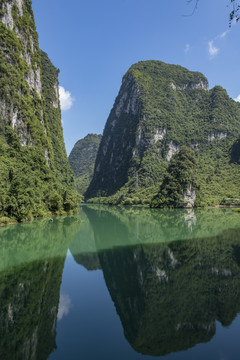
(30, 116)
(17, 24)
(159, 108)
(116, 149)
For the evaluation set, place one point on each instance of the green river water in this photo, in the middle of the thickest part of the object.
(122, 283)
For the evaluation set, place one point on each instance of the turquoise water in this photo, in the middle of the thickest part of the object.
(121, 283)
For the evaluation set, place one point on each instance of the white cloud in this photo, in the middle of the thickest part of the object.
(66, 99)
(64, 306)
(237, 98)
(187, 48)
(223, 35)
(213, 50)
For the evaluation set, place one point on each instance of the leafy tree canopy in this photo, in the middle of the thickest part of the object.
(179, 176)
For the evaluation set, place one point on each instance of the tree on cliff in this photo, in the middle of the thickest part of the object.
(180, 177)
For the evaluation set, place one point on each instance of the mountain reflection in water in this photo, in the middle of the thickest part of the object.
(171, 275)
(168, 295)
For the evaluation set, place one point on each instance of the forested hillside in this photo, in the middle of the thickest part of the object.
(36, 178)
(82, 160)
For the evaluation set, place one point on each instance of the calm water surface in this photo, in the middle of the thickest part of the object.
(122, 283)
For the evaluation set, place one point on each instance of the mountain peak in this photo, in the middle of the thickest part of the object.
(159, 108)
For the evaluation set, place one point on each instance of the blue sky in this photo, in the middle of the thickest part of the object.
(94, 42)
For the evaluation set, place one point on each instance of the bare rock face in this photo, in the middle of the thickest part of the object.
(173, 149)
(202, 84)
(34, 76)
(7, 17)
(55, 102)
(189, 197)
(217, 136)
(29, 55)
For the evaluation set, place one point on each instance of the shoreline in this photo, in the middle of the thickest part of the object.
(15, 222)
(49, 216)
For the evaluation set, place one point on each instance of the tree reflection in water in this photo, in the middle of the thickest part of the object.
(32, 262)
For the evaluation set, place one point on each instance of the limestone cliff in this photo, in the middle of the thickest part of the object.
(35, 175)
(159, 108)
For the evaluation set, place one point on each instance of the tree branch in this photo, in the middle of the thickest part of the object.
(234, 14)
(195, 6)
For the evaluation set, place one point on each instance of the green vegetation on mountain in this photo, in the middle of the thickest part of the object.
(178, 181)
(36, 178)
(82, 159)
(159, 108)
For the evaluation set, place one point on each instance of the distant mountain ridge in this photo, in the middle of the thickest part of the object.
(159, 108)
(82, 160)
